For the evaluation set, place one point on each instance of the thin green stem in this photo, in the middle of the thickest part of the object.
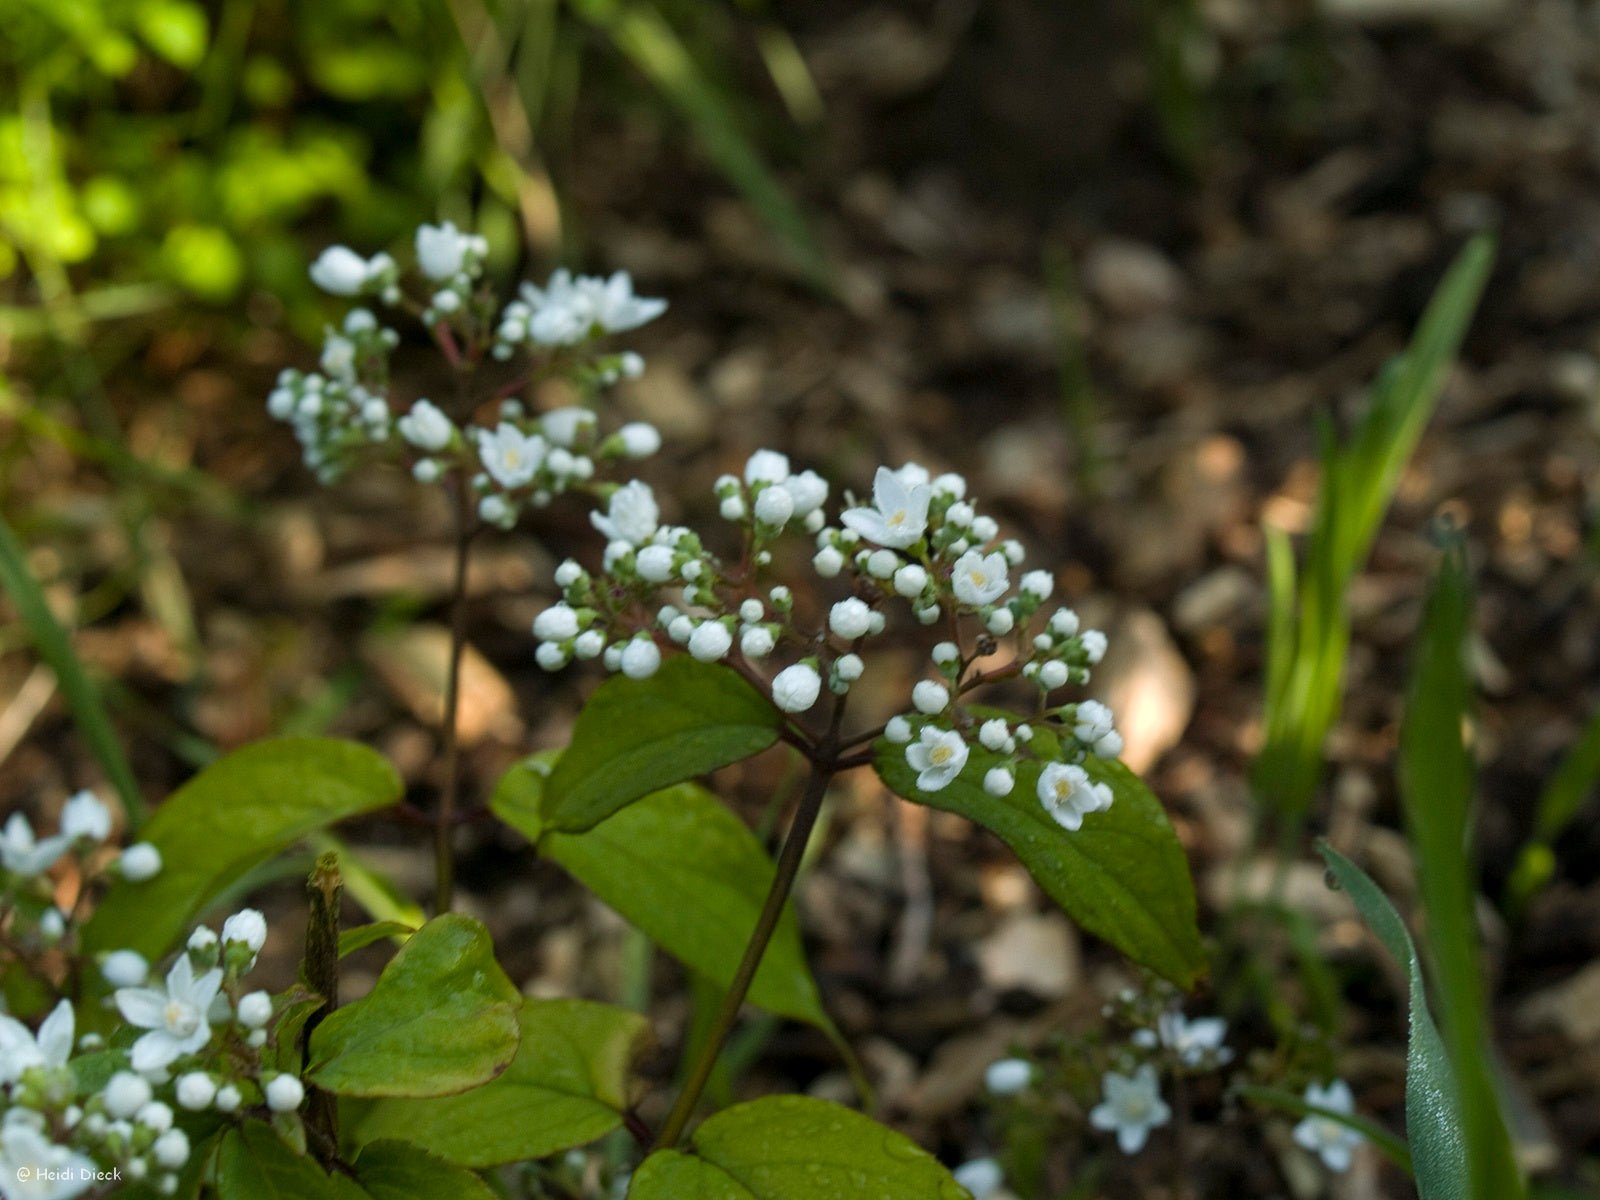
(445, 819)
(789, 860)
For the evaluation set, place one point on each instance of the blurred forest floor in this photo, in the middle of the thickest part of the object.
(1126, 355)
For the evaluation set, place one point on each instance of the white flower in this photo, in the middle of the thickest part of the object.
(203, 938)
(139, 862)
(828, 562)
(898, 730)
(631, 516)
(176, 1016)
(930, 697)
(35, 1168)
(937, 757)
(84, 816)
(1039, 584)
(796, 688)
(1008, 1076)
(710, 641)
(511, 457)
(255, 1009)
(171, 1149)
(998, 781)
(568, 573)
(850, 618)
(589, 644)
(984, 529)
(1068, 794)
(124, 968)
(248, 927)
(766, 466)
(1053, 674)
(1193, 1041)
(556, 623)
(1094, 644)
(655, 564)
(126, 1093)
(751, 610)
(564, 425)
(1000, 622)
(849, 667)
(950, 484)
(978, 579)
(616, 309)
(945, 653)
(426, 427)
(993, 734)
(756, 642)
(154, 1116)
(195, 1090)
(808, 490)
(899, 512)
(1092, 722)
(982, 1177)
(913, 475)
(284, 1093)
(1132, 1106)
(641, 658)
(1323, 1136)
(639, 439)
(909, 581)
(881, 564)
(960, 515)
(441, 249)
(1064, 622)
(774, 506)
(21, 1050)
(340, 271)
(21, 854)
(228, 1098)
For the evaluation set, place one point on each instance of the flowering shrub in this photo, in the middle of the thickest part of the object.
(137, 1056)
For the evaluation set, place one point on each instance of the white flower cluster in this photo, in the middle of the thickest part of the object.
(85, 829)
(921, 544)
(341, 412)
(1132, 1106)
(1332, 1141)
(201, 1050)
(572, 309)
(346, 412)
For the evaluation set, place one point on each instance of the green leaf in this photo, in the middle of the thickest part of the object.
(442, 1018)
(230, 818)
(1123, 876)
(1433, 1100)
(794, 1148)
(567, 1086)
(637, 736)
(1436, 786)
(1563, 798)
(254, 1163)
(362, 936)
(394, 1170)
(54, 646)
(690, 875)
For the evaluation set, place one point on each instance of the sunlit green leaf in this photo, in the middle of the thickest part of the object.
(398, 1170)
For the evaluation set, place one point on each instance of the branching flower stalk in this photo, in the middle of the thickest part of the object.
(920, 544)
(497, 470)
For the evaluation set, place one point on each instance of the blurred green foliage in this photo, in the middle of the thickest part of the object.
(186, 147)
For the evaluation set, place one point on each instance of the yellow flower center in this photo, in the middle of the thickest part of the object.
(897, 517)
(940, 755)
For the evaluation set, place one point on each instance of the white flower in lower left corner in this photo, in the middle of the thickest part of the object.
(22, 853)
(176, 1015)
(21, 1050)
(1132, 1107)
(35, 1168)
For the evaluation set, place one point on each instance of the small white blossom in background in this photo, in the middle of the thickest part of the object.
(1069, 795)
(1330, 1140)
(982, 1177)
(1132, 1107)
(22, 1050)
(23, 854)
(1196, 1042)
(1008, 1076)
(139, 862)
(176, 1015)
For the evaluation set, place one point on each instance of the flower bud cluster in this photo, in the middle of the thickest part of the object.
(919, 545)
(35, 924)
(205, 1048)
(342, 412)
(346, 412)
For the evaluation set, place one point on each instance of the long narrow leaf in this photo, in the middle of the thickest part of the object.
(1569, 789)
(1433, 1099)
(54, 646)
(1436, 783)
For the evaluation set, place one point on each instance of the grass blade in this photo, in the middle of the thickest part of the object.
(1433, 1100)
(1359, 478)
(54, 647)
(1436, 785)
(1572, 786)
